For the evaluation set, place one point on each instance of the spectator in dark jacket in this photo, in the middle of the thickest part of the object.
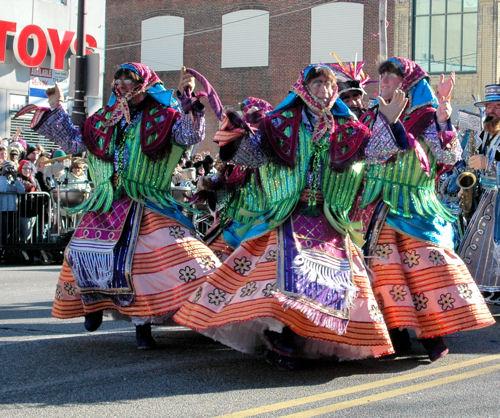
(10, 187)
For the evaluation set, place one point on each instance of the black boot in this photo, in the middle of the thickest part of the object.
(144, 338)
(400, 341)
(279, 361)
(282, 343)
(93, 321)
(435, 347)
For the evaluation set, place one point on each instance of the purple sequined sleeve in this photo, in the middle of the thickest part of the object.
(189, 129)
(382, 144)
(249, 153)
(449, 154)
(57, 126)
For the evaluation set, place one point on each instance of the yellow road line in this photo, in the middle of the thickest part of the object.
(354, 389)
(393, 393)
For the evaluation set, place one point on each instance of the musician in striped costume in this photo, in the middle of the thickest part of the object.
(480, 246)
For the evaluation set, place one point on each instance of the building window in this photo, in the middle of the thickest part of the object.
(340, 36)
(245, 39)
(162, 43)
(445, 35)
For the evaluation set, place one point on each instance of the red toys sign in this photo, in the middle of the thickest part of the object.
(42, 38)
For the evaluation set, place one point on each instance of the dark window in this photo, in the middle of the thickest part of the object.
(445, 35)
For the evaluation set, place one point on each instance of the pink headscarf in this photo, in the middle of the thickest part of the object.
(412, 72)
(119, 102)
(326, 122)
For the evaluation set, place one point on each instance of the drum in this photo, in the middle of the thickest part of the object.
(69, 198)
(188, 174)
(181, 193)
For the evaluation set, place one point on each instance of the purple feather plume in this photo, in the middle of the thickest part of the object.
(212, 96)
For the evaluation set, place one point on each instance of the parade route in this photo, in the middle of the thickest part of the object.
(55, 368)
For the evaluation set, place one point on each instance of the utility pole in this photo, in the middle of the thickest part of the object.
(78, 115)
(382, 29)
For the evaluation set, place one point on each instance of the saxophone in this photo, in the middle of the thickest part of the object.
(467, 181)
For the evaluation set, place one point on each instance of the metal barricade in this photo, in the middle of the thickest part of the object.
(40, 222)
(27, 229)
(68, 195)
(202, 221)
(35, 218)
(30, 223)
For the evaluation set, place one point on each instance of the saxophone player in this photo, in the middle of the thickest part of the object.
(480, 246)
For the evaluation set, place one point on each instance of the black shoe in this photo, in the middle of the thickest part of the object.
(281, 343)
(93, 321)
(400, 341)
(279, 361)
(145, 340)
(435, 347)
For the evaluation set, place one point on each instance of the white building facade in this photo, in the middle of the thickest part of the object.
(37, 40)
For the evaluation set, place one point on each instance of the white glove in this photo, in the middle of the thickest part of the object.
(393, 110)
(55, 96)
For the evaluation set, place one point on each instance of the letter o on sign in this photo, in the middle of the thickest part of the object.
(21, 46)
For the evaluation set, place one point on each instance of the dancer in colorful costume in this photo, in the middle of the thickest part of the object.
(295, 283)
(133, 252)
(480, 246)
(419, 281)
(239, 166)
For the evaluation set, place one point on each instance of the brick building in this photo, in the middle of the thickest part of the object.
(294, 28)
(258, 47)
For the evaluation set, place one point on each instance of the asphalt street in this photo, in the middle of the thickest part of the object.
(54, 368)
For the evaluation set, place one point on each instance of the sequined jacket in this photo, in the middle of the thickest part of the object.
(269, 197)
(396, 175)
(143, 154)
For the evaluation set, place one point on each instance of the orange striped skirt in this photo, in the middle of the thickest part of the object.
(238, 302)
(423, 286)
(169, 263)
(220, 248)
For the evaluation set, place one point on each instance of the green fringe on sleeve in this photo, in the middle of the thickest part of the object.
(340, 191)
(143, 178)
(102, 196)
(405, 179)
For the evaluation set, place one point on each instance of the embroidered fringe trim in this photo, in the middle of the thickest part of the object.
(330, 281)
(337, 325)
(496, 255)
(97, 266)
(311, 271)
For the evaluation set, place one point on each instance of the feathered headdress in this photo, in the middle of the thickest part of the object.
(351, 76)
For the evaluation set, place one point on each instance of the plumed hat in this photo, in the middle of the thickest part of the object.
(350, 77)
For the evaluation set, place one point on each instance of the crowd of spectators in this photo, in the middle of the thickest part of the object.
(29, 174)
(190, 170)
(27, 170)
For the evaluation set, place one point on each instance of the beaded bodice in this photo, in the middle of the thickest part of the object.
(271, 196)
(138, 175)
(402, 184)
